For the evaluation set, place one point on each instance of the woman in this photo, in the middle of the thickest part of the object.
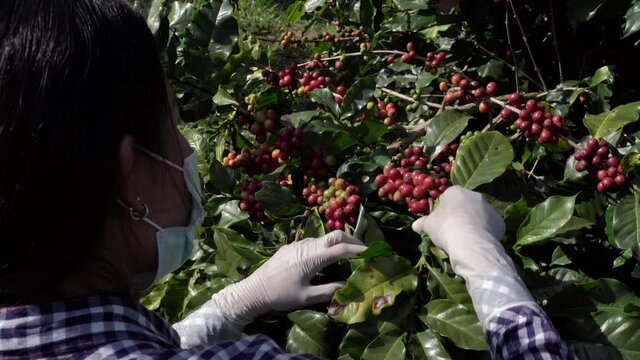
(99, 198)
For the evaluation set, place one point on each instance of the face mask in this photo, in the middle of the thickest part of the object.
(175, 244)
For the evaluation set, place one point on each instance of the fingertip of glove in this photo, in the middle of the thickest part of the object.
(419, 225)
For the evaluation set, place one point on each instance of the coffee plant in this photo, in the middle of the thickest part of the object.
(361, 123)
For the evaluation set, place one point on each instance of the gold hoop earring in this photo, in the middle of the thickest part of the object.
(139, 215)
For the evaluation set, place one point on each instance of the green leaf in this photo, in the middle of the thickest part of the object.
(311, 5)
(387, 346)
(367, 12)
(624, 224)
(220, 179)
(299, 119)
(358, 96)
(630, 162)
(427, 345)
(222, 97)
(632, 20)
(376, 249)
(559, 257)
(443, 129)
(443, 286)
(514, 215)
(230, 214)
(212, 29)
(325, 97)
(278, 200)
(314, 228)
(598, 319)
(456, 322)
(295, 12)
(480, 159)
(432, 32)
(545, 220)
(411, 4)
(604, 74)
(371, 288)
(395, 318)
(310, 334)
(611, 121)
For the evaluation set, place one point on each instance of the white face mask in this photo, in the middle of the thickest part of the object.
(175, 244)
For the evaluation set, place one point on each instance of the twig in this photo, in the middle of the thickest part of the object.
(510, 66)
(555, 40)
(513, 52)
(356, 54)
(526, 42)
(534, 167)
(410, 99)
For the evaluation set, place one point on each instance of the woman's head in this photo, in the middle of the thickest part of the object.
(80, 84)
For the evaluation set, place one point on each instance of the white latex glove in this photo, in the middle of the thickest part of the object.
(469, 229)
(280, 284)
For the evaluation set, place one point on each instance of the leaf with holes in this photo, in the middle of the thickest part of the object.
(372, 287)
(481, 159)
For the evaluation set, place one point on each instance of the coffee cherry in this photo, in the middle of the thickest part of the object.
(491, 88)
(515, 99)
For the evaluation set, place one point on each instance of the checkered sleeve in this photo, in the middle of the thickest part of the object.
(525, 332)
(246, 348)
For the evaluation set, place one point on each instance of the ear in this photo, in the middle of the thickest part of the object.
(126, 155)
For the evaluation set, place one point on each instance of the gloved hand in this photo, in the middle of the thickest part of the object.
(469, 229)
(280, 284)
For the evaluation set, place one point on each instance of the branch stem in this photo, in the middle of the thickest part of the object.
(526, 42)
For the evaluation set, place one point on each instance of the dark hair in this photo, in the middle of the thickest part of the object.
(75, 77)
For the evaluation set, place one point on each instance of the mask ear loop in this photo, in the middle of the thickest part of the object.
(158, 157)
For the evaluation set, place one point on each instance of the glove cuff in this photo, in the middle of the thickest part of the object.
(492, 279)
(241, 303)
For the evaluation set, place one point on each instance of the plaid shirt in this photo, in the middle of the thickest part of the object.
(105, 327)
(525, 332)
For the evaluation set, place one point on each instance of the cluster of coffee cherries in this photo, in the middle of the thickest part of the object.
(288, 39)
(385, 111)
(326, 36)
(414, 156)
(290, 143)
(315, 63)
(341, 91)
(433, 60)
(409, 55)
(465, 91)
(339, 202)
(444, 158)
(366, 47)
(285, 78)
(317, 162)
(252, 161)
(414, 188)
(313, 80)
(533, 121)
(259, 124)
(248, 203)
(596, 158)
